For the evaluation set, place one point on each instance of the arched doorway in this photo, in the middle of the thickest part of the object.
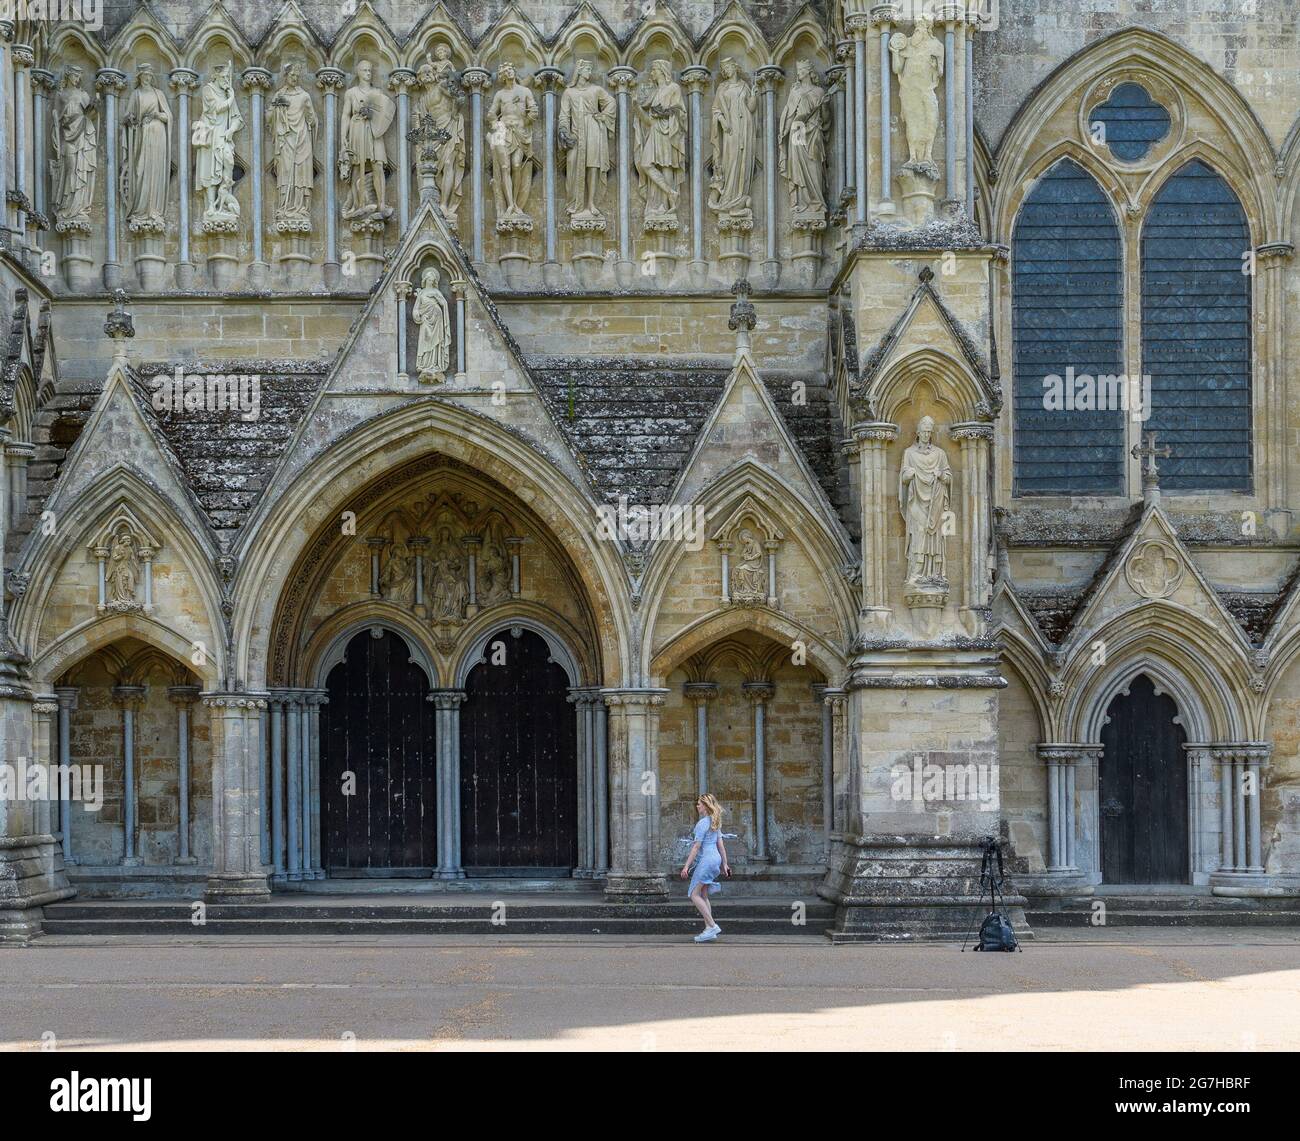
(1143, 789)
(378, 770)
(518, 761)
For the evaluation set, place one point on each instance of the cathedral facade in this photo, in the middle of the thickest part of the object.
(443, 440)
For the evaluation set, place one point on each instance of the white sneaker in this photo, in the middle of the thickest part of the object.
(716, 930)
(706, 936)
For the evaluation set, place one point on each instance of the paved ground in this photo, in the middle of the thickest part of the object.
(1185, 989)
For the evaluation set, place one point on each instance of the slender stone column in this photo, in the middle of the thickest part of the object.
(883, 16)
(759, 693)
(584, 701)
(696, 78)
(183, 697)
(293, 768)
(110, 82)
(600, 761)
(23, 58)
(44, 711)
(237, 871)
(700, 693)
(331, 80)
(878, 494)
(968, 87)
(403, 290)
(315, 699)
(257, 81)
(835, 85)
(43, 88)
(277, 704)
(130, 698)
(1253, 758)
(1223, 757)
(848, 196)
(950, 188)
(67, 699)
(769, 79)
(183, 82)
(1239, 811)
(549, 80)
(458, 288)
(475, 81)
(447, 703)
(6, 97)
(623, 80)
(400, 82)
(16, 459)
(859, 27)
(1062, 819)
(823, 695)
(634, 793)
(307, 792)
(976, 442)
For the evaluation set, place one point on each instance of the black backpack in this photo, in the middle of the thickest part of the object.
(996, 933)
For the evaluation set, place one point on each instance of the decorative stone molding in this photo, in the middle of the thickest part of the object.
(1154, 569)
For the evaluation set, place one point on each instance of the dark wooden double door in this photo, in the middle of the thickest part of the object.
(518, 766)
(1142, 789)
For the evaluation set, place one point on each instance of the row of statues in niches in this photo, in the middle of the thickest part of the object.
(451, 115)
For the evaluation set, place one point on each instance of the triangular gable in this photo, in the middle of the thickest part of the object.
(745, 424)
(1287, 611)
(1010, 613)
(1151, 563)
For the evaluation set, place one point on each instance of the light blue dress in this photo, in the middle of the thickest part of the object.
(709, 863)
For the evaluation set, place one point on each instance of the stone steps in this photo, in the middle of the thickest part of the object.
(1165, 911)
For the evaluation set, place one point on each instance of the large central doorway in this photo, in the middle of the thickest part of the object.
(518, 762)
(378, 763)
(1143, 789)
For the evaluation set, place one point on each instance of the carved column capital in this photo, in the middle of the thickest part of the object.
(548, 79)
(183, 79)
(183, 694)
(1067, 752)
(23, 55)
(129, 696)
(971, 430)
(44, 81)
(769, 77)
(696, 77)
(622, 79)
(875, 432)
(758, 692)
(885, 14)
(476, 78)
(858, 25)
(331, 79)
(255, 79)
(700, 691)
(401, 80)
(109, 79)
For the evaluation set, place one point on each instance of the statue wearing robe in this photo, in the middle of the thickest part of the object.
(924, 484)
(75, 161)
(146, 165)
(213, 138)
(802, 135)
(586, 127)
(363, 159)
(918, 63)
(293, 128)
(433, 351)
(660, 145)
(735, 149)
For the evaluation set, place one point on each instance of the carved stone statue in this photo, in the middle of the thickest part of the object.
(749, 575)
(918, 63)
(75, 162)
(924, 484)
(803, 132)
(293, 125)
(123, 571)
(363, 160)
(659, 132)
(440, 100)
(449, 591)
(213, 138)
(146, 154)
(510, 121)
(433, 352)
(494, 572)
(398, 579)
(735, 147)
(586, 131)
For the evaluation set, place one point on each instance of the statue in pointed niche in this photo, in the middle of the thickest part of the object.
(75, 162)
(440, 100)
(735, 147)
(918, 63)
(433, 351)
(213, 139)
(123, 573)
(924, 486)
(363, 159)
(749, 578)
(146, 154)
(586, 131)
(398, 579)
(448, 593)
(293, 125)
(659, 146)
(803, 131)
(510, 122)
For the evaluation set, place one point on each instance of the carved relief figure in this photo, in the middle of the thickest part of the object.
(924, 484)
(213, 138)
(440, 100)
(448, 591)
(749, 575)
(363, 160)
(586, 130)
(74, 163)
(433, 352)
(918, 63)
(494, 570)
(510, 122)
(735, 148)
(659, 132)
(803, 131)
(293, 126)
(123, 571)
(398, 578)
(146, 154)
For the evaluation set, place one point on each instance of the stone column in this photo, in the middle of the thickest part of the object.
(1227, 788)
(183, 82)
(848, 196)
(183, 696)
(951, 17)
(475, 81)
(835, 85)
(883, 16)
(623, 81)
(634, 794)
(403, 291)
(293, 773)
(458, 288)
(67, 699)
(600, 782)
(833, 706)
(110, 82)
(257, 81)
(769, 79)
(277, 705)
(1273, 262)
(821, 693)
(43, 88)
(976, 442)
(700, 693)
(238, 875)
(972, 23)
(447, 703)
(306, 789)
(696, 78)
(878, 499)
(1241, 776)
(584, 701)
(759, 693)
(6, 97)
(23, 58)
(130, 698)
(315, 698)
(549, 79)
(1062, 820)
(400, 82)
(1253, 760)
(859, 27)
(331, 81)
(16, 458)
(44, 710)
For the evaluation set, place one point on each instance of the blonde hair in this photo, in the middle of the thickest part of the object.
(715, 809)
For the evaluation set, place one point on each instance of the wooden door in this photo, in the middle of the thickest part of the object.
(1143, 789)
(518, 762)
(379, 728)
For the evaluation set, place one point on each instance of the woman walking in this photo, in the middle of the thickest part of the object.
(709, 855)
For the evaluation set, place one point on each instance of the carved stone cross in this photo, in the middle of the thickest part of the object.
(1148, 453)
